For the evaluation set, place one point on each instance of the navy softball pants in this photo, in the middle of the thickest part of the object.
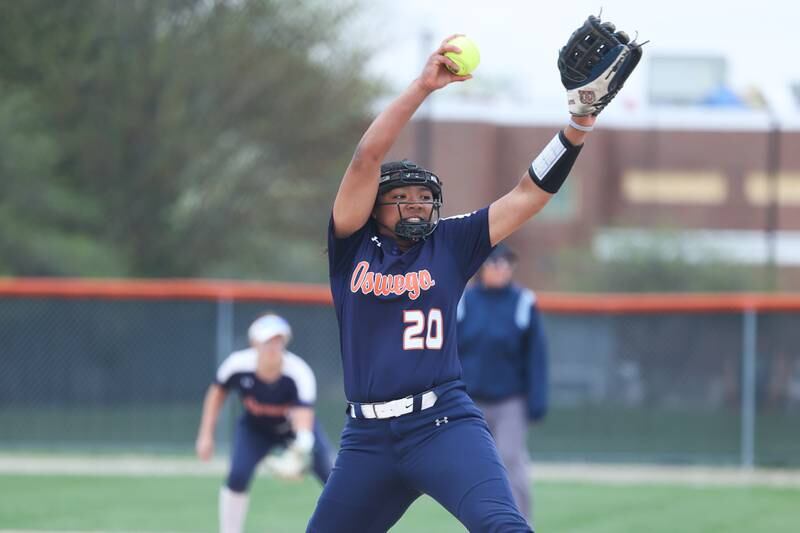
(445, 451)
(250, 446)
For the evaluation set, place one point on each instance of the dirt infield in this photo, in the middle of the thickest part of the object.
(139, 465)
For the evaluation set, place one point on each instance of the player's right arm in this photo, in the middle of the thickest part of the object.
(212, 405)
(359, 187)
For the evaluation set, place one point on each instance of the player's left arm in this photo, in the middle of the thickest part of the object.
(301, 415)
(594, 65)
(302, 418)
(296, 458)
(509, 212)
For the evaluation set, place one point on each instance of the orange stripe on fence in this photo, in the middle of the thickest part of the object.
(666, 302)
(166, 290)
(313, 294)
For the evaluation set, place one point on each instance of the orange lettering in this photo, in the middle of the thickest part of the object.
(388, 285)
(381, 284)
(358, 276)
(399, 284)
(369, 282)
(412, 285)
(425, 280)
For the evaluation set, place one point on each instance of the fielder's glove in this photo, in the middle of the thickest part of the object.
(293, 461)
(594, 64)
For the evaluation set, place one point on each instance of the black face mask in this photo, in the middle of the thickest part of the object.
(403, 174)
(417, 230)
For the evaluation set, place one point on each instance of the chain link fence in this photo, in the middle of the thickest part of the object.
(97, 373)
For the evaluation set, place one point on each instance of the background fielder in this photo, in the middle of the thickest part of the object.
(278, 391)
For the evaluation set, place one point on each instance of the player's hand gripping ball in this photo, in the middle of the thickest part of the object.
(468, 59)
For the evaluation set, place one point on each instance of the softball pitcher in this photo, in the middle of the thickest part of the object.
(397, 273)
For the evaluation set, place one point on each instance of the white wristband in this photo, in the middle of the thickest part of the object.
(304, 440)
(578, 127)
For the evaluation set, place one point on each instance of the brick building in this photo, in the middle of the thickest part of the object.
(709, 186)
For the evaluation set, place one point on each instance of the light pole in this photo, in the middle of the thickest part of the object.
(424, 124)
(773, 206)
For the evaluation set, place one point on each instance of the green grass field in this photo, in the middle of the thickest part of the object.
(188, 504)
(594, 433)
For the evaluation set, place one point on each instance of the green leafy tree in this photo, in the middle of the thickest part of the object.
(174, 138)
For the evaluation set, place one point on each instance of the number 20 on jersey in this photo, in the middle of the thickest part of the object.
(423, 332)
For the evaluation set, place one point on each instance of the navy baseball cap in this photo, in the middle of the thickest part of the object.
(501, 251)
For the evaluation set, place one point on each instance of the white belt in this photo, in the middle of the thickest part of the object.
(393, 408)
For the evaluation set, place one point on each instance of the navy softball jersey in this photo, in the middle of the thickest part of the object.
(267, 404)
(397, 311)
(397, 316)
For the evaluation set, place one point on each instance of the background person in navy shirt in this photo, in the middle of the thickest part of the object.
(278, 391)
(504, 360)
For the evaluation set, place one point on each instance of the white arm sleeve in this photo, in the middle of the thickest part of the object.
(303, 377)
(241, 361)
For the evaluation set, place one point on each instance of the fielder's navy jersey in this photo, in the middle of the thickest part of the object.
(397, 311)
(267, 404)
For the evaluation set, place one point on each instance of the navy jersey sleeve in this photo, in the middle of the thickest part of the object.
(342, 251)
(305, 383)
(468, 238)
